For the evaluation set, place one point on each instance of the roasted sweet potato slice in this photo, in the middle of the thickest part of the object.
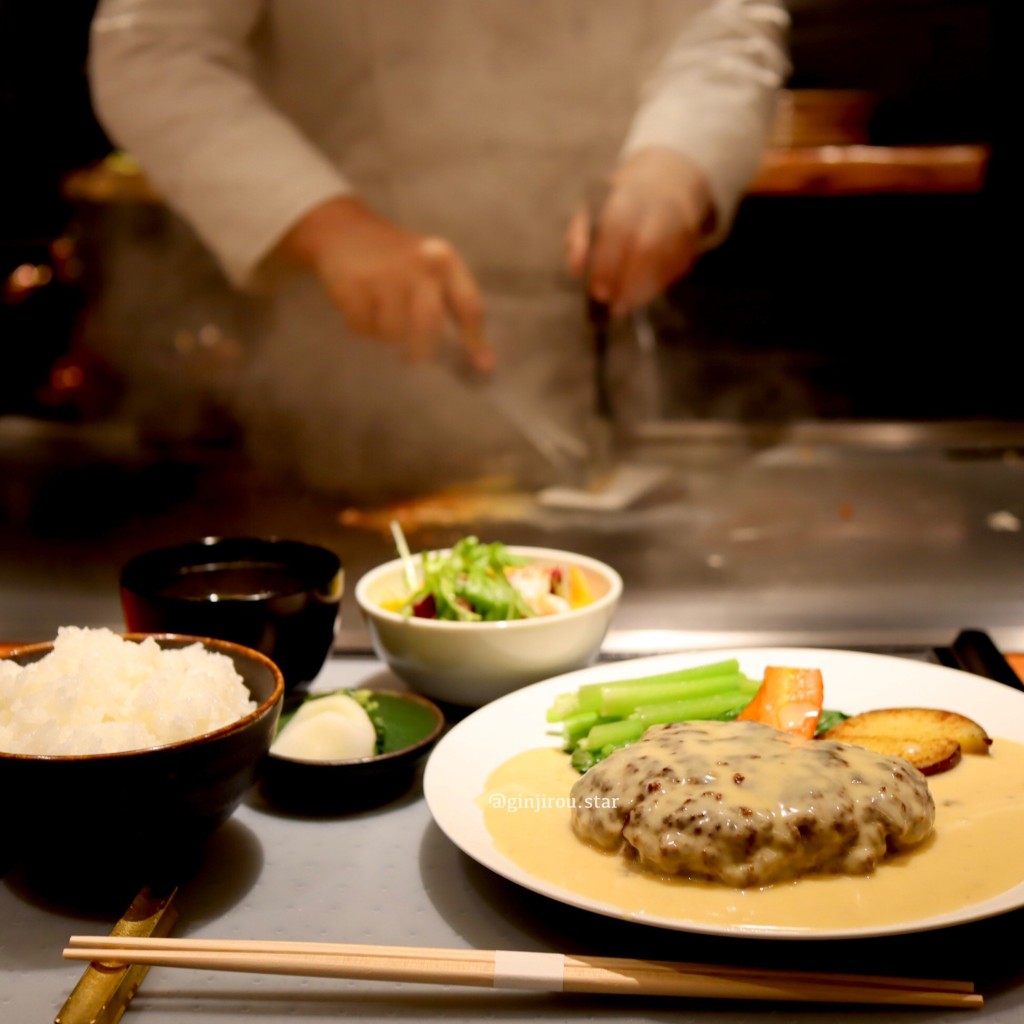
(918, 723)
(930, 739)
(928, 756)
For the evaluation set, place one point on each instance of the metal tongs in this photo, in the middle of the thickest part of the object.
(562, 450)
(565, 452)
(609, 483)
(601, 432)
(601, 428)
(581, 461)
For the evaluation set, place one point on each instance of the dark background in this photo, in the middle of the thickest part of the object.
(868, 307)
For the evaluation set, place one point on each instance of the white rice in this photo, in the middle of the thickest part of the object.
(97, 693)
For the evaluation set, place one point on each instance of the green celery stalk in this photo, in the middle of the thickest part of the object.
(565, 706)
(707, 707)
(583, 759)
(575, 727)
(589, 697)
(619, 733)
(619, 701)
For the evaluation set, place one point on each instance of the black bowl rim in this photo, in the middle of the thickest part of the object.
(145, 561)
(376, 759)
(224, 646)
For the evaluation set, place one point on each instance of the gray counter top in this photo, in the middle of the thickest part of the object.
(389, 876)
(827, 536)
(801, 540)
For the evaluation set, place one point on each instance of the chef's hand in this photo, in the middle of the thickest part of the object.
(390, 284)
(649, 231)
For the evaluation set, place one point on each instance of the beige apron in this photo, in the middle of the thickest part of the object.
(483, 121)
(488, 122)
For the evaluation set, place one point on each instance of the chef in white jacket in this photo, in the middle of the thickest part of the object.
(391, 181)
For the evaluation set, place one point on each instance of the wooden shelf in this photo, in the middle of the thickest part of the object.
(843, 170)
(1016, 663)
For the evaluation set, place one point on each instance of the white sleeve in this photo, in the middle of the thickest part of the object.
(713, 96)
(170, 84)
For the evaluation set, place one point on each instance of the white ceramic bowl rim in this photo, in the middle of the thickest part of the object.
(606, 572)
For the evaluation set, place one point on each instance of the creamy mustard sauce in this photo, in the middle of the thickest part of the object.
(972, 856)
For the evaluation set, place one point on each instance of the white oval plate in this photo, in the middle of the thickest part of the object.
(458, 768)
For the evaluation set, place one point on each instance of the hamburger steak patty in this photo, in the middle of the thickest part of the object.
(745, 804)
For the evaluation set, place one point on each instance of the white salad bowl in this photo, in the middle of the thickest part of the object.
(473, 663)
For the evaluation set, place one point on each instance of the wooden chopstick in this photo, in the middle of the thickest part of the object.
(522, 970)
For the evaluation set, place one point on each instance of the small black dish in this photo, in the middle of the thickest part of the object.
(413, 724)
(279, 597)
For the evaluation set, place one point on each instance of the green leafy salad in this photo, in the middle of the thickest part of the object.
(468, 584)
(478, 582)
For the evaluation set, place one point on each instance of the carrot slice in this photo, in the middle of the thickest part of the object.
(789, 699)
(580, 593)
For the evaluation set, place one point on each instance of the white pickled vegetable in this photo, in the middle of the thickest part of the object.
(331, 728)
